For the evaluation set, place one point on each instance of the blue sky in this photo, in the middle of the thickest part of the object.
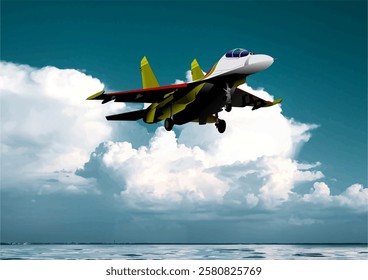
(68, 175)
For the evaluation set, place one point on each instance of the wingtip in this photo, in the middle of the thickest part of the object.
(96, 95)
(269, 103)
(277, 101)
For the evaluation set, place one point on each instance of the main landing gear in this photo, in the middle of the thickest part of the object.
(220, 124)
(169, 124)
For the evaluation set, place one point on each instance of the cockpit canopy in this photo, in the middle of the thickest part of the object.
(238, 52)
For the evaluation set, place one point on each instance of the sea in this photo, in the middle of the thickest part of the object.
(28, 251)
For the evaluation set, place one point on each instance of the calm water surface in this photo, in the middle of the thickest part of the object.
(183, 252)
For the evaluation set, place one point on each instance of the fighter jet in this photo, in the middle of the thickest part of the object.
(200, 100)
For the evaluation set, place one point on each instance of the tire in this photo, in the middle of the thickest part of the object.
(169, 124)
(221, 126)
(228, 107)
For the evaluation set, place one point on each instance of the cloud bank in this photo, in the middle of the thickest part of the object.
(45, 123)
(59, 142)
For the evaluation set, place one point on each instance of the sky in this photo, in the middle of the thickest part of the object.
(295, 172)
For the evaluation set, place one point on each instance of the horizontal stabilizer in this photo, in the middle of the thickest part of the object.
(129, 116)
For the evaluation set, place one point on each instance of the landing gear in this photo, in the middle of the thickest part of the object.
(227, 98)
(221, 126)
(169, 124)
(228, 107)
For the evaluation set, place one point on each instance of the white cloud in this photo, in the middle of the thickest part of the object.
(302, 222)
(282, 174)
(164, 172)
(251, 200)
(177, 81)
(319, 193)
(46, 122)
(172, 170)
(188, 78)
(354, 197)
(48, 125)
(306, 166)
(168, 173)
(250, 134)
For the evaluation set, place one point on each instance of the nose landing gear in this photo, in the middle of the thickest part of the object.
(227, 98)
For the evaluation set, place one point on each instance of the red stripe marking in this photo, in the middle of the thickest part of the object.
(173, 87)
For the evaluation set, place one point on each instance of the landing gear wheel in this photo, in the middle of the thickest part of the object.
(221, 126)
(169, 124)
(228, 107)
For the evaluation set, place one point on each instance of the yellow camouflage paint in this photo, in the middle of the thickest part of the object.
(170, 108)
(211, 70)
(148, 78)
(210, 119)
(238, 83)
(197, 73)
(96, 95)
(151, 111)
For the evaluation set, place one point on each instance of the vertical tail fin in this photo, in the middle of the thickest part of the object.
(148, 78)
(197, 73)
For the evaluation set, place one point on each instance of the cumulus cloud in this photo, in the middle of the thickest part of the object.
(282, 174)
(46, 123)
(188, 78)
(48, 126)
(172, 170)
(354, 197)
(320, 192)
(251, 134)
(162, 173)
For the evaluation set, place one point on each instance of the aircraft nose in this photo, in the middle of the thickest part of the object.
(259, 62)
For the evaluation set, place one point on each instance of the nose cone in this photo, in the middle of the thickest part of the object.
(258, 62)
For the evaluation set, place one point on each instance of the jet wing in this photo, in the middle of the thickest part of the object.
(243, 98)
(147, 95)
(128, 116)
